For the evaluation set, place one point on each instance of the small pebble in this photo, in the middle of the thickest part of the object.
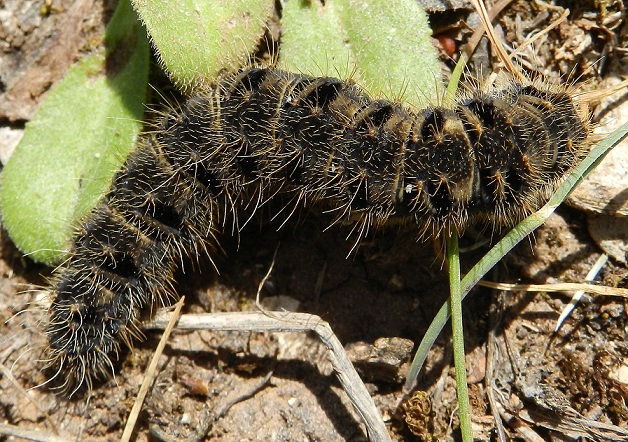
(186, 419)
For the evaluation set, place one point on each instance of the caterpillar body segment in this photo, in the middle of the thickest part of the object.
(492, 158)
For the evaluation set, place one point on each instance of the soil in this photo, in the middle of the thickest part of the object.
(525, 380)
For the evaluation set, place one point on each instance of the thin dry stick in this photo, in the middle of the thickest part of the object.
(479, 32)
(294, 322)
(521, 427)
(26, 434)
(559, 287)
(531, 40)
(492, 356)
(150, 373)
(595, 270)
(596, 95)
(250, 389)
(497, 45)
(258, 301)
(7, 374)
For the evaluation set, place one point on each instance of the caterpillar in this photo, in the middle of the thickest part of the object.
(491, 158)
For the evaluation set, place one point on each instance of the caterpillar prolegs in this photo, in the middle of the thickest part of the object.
(492, 157)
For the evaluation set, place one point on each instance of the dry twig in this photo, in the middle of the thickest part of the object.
(294, 322)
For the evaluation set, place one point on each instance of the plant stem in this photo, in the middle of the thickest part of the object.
(458, 338)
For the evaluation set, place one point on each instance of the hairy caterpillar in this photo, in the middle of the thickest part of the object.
(491, 158)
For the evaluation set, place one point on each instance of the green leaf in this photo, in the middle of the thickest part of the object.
(198, 39)
(384, 46)
(79, 138)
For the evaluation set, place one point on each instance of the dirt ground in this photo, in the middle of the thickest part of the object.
(524, 379)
